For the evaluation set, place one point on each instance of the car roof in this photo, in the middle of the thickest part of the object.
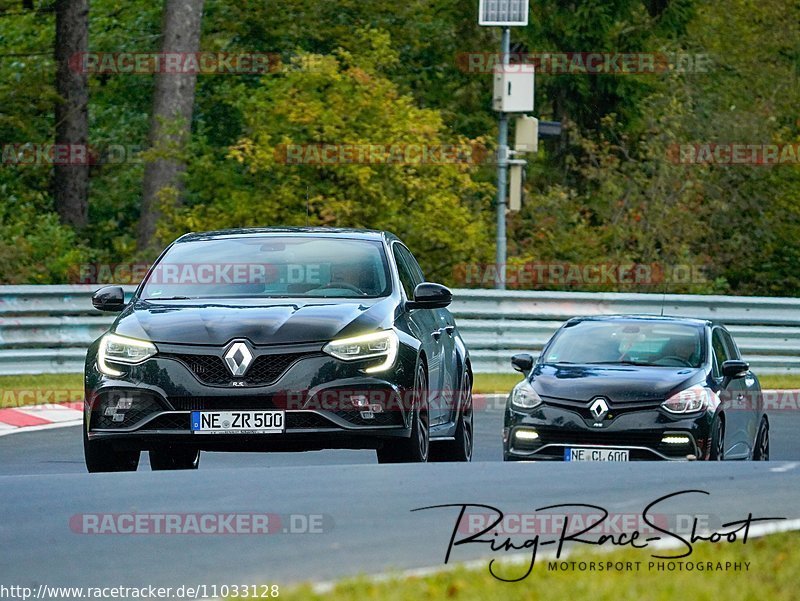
(645, 317)
(255, 232)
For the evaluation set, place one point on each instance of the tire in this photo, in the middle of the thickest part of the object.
(459, 449)
(174, 458)
(102, 456)
(761, 450)
(717, 451)
(414, 449)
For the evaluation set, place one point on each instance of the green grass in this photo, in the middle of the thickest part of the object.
(484, 384)
(16, 391)
(772, 575)
(779, 382)
(488, 383)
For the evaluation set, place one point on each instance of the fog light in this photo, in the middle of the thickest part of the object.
(526, 435)
(676, 440)
(125, 403)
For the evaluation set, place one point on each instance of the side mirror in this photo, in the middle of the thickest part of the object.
(522, 362)
(110, 298)
(428, 295)
(735, 368)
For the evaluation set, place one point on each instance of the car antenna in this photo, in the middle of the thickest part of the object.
(308, 218)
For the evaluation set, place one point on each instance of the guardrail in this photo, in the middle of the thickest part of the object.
(46, 329)
(498, 324)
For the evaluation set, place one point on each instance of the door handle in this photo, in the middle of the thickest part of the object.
(437, 334)
(450, 330)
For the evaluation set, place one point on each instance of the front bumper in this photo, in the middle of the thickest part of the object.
(151, 404)
(641, 432)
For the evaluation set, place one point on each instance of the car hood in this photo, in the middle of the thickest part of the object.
(277, 321)
(618, 383)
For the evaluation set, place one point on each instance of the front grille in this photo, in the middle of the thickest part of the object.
(265, 370)
(112, 411)
(306, 420)
(168, 421)
(388, 418)
(208, 368)
(222, 403)
(614, 408)
(580, 437)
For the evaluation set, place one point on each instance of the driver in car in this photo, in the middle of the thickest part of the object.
(348, 276)
(683, 348)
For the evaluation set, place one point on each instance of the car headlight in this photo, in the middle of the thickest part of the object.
(120, 349)
(368, 346)
(524, 396)
(693, 399)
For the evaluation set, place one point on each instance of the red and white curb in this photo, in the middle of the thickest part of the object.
(40, 417)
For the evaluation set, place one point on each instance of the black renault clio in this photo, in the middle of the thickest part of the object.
(622, 388)
(278, 339)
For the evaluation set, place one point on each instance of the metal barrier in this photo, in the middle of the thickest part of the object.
(498, 324)
(46, 329)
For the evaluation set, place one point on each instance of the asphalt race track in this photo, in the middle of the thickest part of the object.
(368, 526)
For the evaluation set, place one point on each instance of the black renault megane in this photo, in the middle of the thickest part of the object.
(279, 339)
(623, 388)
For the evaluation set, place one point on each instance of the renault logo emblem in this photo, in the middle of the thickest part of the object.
(599, 408)
(238, 358)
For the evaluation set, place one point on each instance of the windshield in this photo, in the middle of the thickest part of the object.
(628, 342)
(270, 267)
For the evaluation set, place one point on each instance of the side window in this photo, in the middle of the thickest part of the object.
(419, 276)
(720, 351)
(406, 277)
(410, 272)
(733, 350)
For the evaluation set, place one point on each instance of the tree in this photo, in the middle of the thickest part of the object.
(170, 125)
(273, 175)
(71, 181)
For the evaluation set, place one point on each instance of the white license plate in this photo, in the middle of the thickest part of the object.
(237, 422)
(596, 455)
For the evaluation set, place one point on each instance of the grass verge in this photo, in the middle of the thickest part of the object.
(16, 391)
(771, 575)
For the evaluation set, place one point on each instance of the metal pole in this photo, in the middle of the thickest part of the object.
(502, 176)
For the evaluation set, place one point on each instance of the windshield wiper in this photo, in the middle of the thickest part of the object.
(168, 298)
(622, 363)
